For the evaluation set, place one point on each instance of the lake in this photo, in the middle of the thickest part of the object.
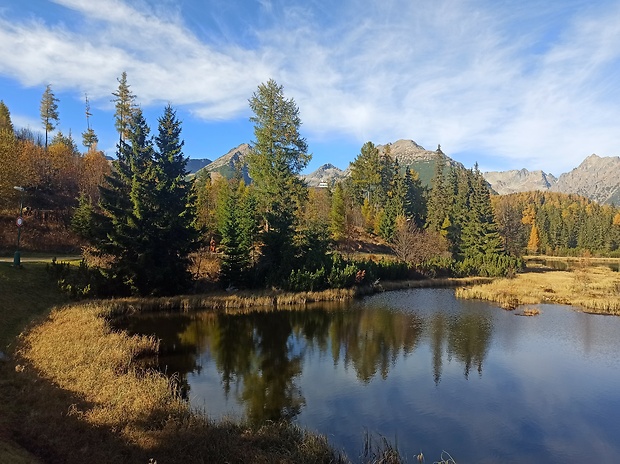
(425, 370)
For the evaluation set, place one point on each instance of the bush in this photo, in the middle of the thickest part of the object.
(84, 281)
(301, 280)
(494, 265)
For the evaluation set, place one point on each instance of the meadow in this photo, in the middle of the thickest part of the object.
(594, 289)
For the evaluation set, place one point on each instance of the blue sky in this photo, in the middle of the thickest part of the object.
(508, 84)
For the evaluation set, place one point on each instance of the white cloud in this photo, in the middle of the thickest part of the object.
(532, 85)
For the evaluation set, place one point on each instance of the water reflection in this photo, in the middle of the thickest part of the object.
(259, 356)
(418, 367)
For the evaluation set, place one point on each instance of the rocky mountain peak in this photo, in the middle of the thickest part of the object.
(596, 177)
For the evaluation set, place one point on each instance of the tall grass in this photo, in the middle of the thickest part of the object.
(86, 368)
(594, 289)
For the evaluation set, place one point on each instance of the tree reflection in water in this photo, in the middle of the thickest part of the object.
(260, 355)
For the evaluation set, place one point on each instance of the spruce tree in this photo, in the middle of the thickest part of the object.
(49, 111)
(479, 235)
(174, 232)
(366, 174)
(278, 155)
(437, 203)
(236, 226)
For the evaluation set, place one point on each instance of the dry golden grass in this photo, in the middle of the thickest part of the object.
(108, 410)
(594, 289)
(531, 312)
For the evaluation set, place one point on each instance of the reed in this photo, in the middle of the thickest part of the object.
(594, 289)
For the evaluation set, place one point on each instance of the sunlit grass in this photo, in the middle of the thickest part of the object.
(595, 289)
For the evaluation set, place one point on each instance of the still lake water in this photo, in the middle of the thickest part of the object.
(425, 370)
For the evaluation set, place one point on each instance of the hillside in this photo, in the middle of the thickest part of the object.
(597, 178)
(226, 164)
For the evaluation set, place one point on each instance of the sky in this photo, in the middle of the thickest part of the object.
(509, 84)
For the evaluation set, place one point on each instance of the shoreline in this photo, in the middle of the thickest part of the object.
(594, 289)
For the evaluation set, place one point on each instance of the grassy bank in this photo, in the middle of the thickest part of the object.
(594, 289)
(93, 405)
(72, 392)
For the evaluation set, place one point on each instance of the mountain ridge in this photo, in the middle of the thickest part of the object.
(597, 178)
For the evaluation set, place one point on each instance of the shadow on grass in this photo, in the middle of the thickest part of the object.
(38, 417)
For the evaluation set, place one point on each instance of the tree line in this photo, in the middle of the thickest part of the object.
(143, 217)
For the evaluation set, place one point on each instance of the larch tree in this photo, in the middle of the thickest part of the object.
(125, 107)
(49, 111)
(278, 155)
(533, 244)
(337, 214)
(9, 164)
(89, 138)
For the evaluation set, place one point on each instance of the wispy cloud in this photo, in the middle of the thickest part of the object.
(524, 82)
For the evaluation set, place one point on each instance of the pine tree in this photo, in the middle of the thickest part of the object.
(278, 155)
(236, 226)
(437, 204)
(173, 229)
(415, 201)
(124, 102)
(366, 174)
(49, 111)
(479, 235)
(337, 219)
(89, 138)
(148, 220)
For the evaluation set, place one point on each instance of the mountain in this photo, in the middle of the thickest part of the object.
(325, 176)
(597, 178)
(407, 152)
(225, 164)
(195, 165)
(423, 161)
(505, 182)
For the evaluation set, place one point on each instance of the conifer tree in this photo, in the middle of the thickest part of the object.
(9, 167)
(366, 173)
(6, 124)
(237, 227)
(278, 155)
(49, 111)
(437, 204)
(479, 235)
(533, 244)
(124, 103)
(89, 138)
(337, 219)
(414, 201)
(148, 220)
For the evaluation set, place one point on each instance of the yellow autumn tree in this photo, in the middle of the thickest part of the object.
(533, 244)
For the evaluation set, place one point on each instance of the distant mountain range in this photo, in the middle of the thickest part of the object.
(597, 178)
